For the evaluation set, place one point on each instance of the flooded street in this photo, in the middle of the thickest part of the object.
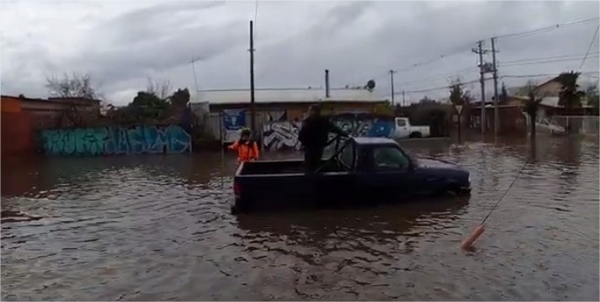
(159, 228)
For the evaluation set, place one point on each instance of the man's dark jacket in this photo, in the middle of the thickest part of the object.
(315, 131)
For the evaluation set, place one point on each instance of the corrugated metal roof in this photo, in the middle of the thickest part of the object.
(287, 95)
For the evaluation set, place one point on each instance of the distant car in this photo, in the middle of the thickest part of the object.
(363, 171)
(403, 129)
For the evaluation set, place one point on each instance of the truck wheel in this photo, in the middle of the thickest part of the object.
(415, 135)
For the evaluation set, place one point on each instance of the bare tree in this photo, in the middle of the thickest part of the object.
(76, 85)
(162, 89)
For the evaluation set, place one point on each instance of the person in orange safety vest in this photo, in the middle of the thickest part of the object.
(247, 149)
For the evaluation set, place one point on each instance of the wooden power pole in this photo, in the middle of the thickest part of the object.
(252, 105)
(479, 50)
(392, 82)
(495, 72)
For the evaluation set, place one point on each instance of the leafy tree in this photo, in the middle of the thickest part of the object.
(592, 96)
(569, 96)
(531, 105)
(426, 101)
(503, 97)
(180, 98)
(459, 96)
(74, 86)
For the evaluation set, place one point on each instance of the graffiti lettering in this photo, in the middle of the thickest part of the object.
(116, 140)
(279, 135)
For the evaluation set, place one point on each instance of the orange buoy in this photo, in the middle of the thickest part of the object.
(468, 243)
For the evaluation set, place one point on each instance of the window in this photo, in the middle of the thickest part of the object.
(347, 155)
(401, 122)
(390, 158)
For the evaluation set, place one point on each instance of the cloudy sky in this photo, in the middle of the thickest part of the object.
(122, 43)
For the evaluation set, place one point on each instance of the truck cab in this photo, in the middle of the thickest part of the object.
(403, 129)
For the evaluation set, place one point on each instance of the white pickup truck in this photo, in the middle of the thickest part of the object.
(403, 129)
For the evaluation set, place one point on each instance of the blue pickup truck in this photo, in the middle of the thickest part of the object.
(362, 170)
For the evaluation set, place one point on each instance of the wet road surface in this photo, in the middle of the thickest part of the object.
(159, 228)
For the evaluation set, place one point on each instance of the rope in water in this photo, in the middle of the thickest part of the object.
(508, 189)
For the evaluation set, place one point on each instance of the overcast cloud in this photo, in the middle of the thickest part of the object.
(121, 43)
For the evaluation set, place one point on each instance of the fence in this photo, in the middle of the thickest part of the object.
(578, 124)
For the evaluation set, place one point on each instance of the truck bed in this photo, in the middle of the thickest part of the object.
(278, 167)
(270, 185)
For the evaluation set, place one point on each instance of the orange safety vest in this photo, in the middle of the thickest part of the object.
(246, 151)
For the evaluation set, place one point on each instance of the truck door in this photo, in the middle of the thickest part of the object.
(402, 128)
(388, 175)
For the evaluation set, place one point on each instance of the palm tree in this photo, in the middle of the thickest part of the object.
(569, 96)
(531, 105)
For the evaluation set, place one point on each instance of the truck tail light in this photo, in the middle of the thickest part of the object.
(237, 190)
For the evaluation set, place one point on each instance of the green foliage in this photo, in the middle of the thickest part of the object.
(592, 96)
(569, 96)
(459, 96)
(180, 98)
(503, 97)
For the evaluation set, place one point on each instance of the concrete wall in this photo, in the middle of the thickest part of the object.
(115, 140)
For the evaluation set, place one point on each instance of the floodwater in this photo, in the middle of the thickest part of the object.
(159, 228)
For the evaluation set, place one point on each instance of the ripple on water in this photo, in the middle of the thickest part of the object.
(159, 228)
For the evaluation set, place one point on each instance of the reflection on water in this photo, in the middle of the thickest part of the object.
(159, 228)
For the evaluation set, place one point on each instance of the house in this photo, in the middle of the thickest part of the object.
(549, 91)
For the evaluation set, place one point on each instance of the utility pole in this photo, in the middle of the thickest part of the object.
(496, 114)
(392, 82)
(403, 98)
(252, 105)
(194, 71)
(479, 50)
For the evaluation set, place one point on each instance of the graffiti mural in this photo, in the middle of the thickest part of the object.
(116, 140)
(364, 125)
(281, 135)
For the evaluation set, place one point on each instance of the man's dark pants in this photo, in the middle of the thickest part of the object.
(312, 159)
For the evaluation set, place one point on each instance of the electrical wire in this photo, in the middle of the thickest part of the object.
(440, 76)
(441, 87)
(512, 35)
(545, 29)
(543, 61)
(544, 75)
(549, 58)
(590, 47)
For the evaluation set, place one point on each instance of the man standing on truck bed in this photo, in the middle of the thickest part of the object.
(313, 137)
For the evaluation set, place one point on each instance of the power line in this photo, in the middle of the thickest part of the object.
(441, 87)
(549, 58)
(543, 75)
(441, 76)
(443, 56)
(512, 35)
(543, 61)
(590, 47)
(545, 29)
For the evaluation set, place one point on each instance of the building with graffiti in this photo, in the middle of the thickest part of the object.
(279, 112)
